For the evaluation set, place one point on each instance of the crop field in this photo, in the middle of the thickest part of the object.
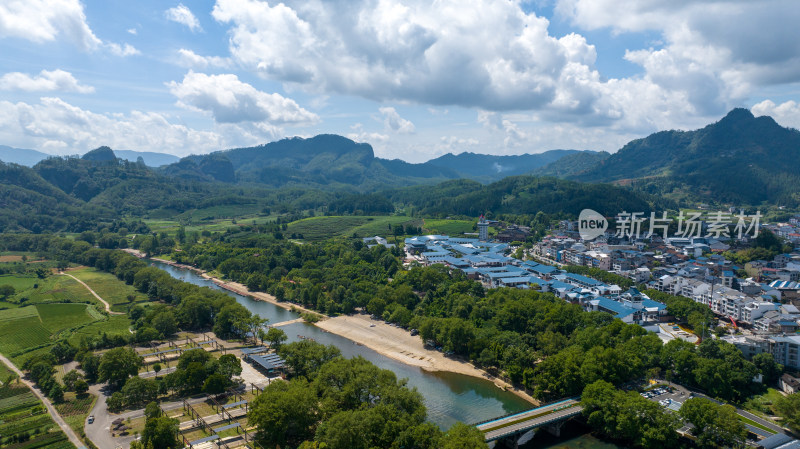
(32, 326)
(319, 228)
(114, 325)
(16, 335)
(203, 220)
(16, 314)
(448, 227)
(25, 423)
(57, 317)
(19, 282)
(110, 288)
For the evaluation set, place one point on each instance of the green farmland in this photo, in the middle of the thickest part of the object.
(24, 421)
(319, 228)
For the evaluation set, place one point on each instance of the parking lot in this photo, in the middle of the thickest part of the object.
(671, 397)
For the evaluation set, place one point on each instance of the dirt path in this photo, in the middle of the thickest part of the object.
(108, 306)
(73, 438)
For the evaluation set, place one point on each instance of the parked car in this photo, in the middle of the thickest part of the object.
(91, 419)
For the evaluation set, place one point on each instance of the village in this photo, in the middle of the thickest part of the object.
(755, 303)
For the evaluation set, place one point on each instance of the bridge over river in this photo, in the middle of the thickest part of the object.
(551, 416)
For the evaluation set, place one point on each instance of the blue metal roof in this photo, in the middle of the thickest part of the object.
(649, 303)
(618, 309)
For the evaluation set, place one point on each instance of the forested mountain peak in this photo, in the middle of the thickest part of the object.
(762, 156)
(101, 154)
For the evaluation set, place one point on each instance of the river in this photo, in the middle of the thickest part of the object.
(449, 397)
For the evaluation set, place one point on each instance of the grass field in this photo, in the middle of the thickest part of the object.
(207, 220)
(319, 228)
(110, 288)
(448, 227)
(19, 282)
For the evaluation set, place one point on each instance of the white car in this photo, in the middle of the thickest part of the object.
(91, 419)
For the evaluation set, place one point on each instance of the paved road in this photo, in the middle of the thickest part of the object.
(108, 306)
(99, 432)
(73, 438)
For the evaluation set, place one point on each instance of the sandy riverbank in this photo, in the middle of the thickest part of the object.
(400, 345)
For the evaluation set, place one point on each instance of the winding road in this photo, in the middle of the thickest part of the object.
(73, 438)
(108, 306)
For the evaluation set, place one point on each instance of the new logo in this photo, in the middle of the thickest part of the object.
(591, 224)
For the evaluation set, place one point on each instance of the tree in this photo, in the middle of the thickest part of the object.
(789, 408)
(70, 378)
(90, 364)
(463, 436)
(305, 357)
(7, 290)
(164, 323)
(116, 401)
(229, 366)
(227, 319)
(157, 368)
(251, 325)
(768, 367)
(285, 413)
(161, 432)
(56, 393)
(81, 386)
(63, 351)
(152, 410)
(138, 390)
(714, 425)
(628, 416)
(275, 337)
(117, 364)
(215, 384)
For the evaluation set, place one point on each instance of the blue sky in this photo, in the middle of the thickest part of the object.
(416, 79)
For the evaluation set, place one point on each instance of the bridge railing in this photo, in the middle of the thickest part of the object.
(525, 429)
(576, 398)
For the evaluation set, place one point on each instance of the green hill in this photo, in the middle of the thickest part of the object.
(741, 159)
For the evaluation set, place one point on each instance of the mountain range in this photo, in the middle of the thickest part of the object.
(332, 160)
(739, 160)
(29, 158)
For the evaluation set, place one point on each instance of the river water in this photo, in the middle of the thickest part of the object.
(449, 397)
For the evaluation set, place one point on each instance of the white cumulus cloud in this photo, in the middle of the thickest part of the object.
(786, 114)
(183, 15)
(393, 121)
(230, 100)
(45, 81)
(122, 50)
(188, 58)
(50, 20)
(59, 126)
(47, 20)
